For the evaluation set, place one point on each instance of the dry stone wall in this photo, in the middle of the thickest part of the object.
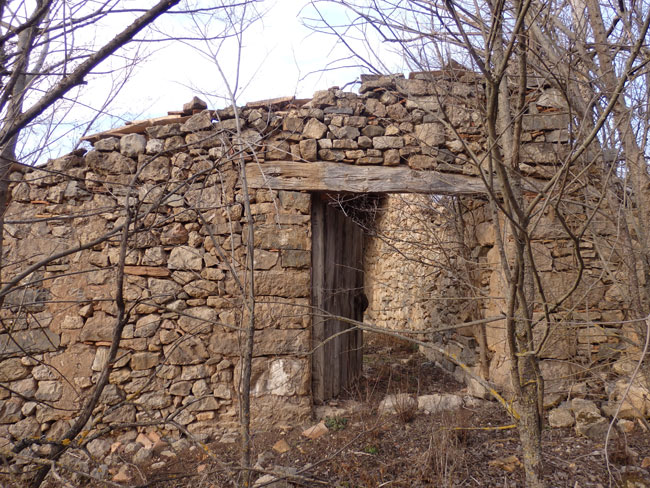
(412, 265)
(446, 275)
(178, 360)
(178, 180)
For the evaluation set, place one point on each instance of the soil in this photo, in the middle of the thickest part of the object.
(473, 447)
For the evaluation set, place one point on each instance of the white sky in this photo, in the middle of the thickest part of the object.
(280, 57)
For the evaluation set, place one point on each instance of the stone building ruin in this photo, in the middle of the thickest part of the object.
(179, 355)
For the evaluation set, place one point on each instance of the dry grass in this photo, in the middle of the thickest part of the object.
(445, 463)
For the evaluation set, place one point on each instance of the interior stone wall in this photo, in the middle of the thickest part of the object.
(412, 265)
(433, 278)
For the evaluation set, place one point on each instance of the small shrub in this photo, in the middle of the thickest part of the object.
(371, 450)
(336, 423)
(405, 408)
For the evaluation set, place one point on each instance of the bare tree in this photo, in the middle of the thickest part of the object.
(48, 51)
(599, 71)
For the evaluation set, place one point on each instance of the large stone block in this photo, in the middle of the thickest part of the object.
(205, 139)
(284, 341)
(636, 403)
(163, 291)
(543, 153)
(278, 150)
(204, 198)
(197, 319)
(74, 364)
(49, 391)
(121, 414)
(131, 145)
(185, 257)
(111, 395)
(430, 135)
(422, 161)
(314, 129)
(147, 326)
(388, 142)
(195, 372)
(101, 358)
(154, 169)
(110, 163)
(201, 288)
(29, 341)
(226, 343)
(186, 350)
(144, 360)
(589, 421)
(559, 376)
(154, 400)
(548, 121)
(10, 410)
(295, 200)
(25, 429)
(272, 237)
(278, 313)
(308, 149)
(265, 259)
(107, 144)
(98, 328)
(292, 258)
(278, 376)
(286, 283)
(197, 122)
(268, 411)
(51, 414)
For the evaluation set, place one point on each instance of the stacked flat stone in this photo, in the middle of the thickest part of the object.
(179, 351)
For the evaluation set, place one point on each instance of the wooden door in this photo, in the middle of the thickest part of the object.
(337, 288)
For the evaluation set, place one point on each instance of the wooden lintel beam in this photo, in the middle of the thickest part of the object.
(341, 177)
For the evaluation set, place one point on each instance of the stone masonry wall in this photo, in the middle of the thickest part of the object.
(178, 362)
(418, 281)
(178, 359)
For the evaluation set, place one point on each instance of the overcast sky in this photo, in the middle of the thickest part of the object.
(280, 57)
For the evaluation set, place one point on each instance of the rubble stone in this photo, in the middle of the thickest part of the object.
(131, 145)
(399, 403)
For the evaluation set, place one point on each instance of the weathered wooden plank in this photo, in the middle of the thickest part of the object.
(332, 289)
(137, 126)
(337, 278)
(317, 284)
(341, 177)
(147, 271)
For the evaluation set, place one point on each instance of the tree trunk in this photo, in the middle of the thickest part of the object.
(530, 436)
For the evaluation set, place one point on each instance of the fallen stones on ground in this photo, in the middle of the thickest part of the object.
(123, 475)
(143, 456)
(589, 420)
(399, 403)
(439, 402)
(315, 431)
(271, 481)
(561, 417)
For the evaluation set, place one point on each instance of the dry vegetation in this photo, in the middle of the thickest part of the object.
(470, 447)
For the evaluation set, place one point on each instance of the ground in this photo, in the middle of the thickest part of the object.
(470, 447)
